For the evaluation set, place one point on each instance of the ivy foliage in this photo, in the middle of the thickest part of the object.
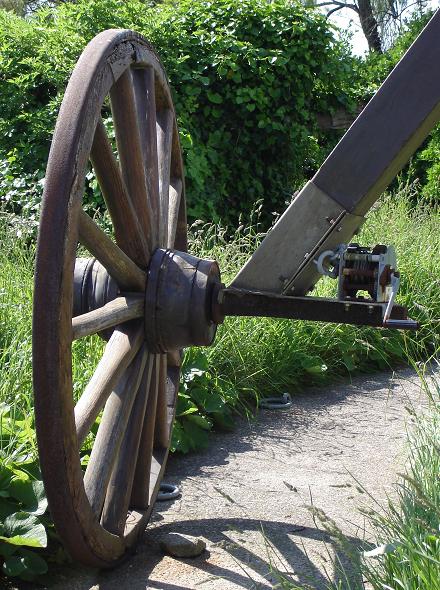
(248, 80)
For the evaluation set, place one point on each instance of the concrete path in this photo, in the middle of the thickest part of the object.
(250, 494)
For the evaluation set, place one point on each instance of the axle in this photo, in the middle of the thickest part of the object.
(184, 300)
(242, 302)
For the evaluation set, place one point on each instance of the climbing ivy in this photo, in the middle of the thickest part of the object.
(248, 80)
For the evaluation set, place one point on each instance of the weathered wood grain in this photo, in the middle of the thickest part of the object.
(111, 431)
(165, 128)
(131, 155)
(118, 354)
(175, 194)
(111, 314)
(390, 128)
(117, 501)
(312, 216)
(125, 272)
(140, 494)
(143, 83)
(162, 431)
(128, 232)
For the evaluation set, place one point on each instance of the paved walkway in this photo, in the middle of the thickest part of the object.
(265, 496)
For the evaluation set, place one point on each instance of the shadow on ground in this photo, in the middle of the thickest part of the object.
(252, 533)
(282, 557)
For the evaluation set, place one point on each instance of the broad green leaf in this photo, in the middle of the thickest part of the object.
(201, 421)
(6, 477)
(31, 494)
(7, 507)
(13, 566)
(40, 496)
(223, 421)
(22, 528)
(215, 97)
(21, 489)
(33, 562)
(313, 365)
(7, 550)
(198, 437)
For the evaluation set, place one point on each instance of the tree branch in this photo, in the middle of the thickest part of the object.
(333, 10)
(338, 4)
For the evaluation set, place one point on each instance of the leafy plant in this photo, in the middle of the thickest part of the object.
(22, 503)
(203, 403)
(248, 80)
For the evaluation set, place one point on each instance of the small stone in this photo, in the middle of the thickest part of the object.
(179, 545)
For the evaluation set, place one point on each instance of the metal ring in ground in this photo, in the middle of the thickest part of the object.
(276, 403)
(168, 492)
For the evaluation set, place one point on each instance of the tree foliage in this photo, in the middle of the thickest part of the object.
(248, 79)
(382, 21)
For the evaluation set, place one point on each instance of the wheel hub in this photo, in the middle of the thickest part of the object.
(178, 298)
(178, 301)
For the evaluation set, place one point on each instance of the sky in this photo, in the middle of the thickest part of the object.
(346, 19)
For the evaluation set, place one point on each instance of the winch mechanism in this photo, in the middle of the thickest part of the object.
(359, 269)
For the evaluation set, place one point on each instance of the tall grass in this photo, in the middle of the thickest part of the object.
(263, 355)
(409, 529)
(16, 271)
(257, 356)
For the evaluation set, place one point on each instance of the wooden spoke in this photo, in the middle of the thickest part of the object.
(131, 156)
(143, 82)
(118, 354)
(174, 207)
(140, 494)
(116, 312)
(128, 276)
(174, 358)
(165, 127)
(119, 490)
(162, 426)
(111, 431)
(128, 232)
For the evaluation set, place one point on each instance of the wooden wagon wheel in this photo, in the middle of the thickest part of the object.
(150, 298)
(99, 512)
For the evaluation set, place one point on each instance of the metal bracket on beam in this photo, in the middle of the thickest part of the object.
(242, 302)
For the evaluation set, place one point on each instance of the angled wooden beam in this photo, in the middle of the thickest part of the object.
(330, 209)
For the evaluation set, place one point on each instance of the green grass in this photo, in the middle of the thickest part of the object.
(265, 356)
(250, 357)
(16, 272)
(254, 357)
(409, 528)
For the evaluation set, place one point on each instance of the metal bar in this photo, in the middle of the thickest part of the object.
(240, 302)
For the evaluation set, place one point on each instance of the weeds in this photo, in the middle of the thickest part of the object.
(409, 529)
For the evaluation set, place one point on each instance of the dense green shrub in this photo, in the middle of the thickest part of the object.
(248, 78)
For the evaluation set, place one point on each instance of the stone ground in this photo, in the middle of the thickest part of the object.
(249, 495)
